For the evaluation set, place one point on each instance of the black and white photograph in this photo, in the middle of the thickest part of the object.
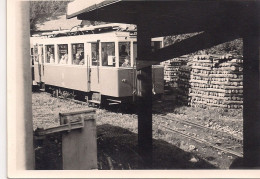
(133, 88)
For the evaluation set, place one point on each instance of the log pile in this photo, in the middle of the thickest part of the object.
(213, 81)
(184, 84)
(171, 68)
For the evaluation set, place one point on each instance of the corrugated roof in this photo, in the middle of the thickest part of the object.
(59, 22)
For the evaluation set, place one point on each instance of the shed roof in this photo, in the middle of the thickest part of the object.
(169, 17)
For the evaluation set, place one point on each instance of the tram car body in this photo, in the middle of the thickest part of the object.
(98, 61)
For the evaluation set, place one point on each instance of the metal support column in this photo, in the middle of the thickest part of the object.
(251, 111)
(144, 97)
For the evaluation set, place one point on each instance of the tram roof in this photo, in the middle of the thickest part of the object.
(93, 29)
(168, 17)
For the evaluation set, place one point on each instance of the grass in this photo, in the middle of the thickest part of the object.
(117, 135)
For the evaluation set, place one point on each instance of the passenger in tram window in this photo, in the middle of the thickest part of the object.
(124, 52)
(77, 50)
(82, 61)
(50, 52)
(52, 59)
(64, 59)
(126, 63)
(77, 60)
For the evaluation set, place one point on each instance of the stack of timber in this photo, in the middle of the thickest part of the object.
(214, 81)
(171, 69)
(184, 86)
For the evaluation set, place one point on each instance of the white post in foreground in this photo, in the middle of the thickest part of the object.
(24, 126)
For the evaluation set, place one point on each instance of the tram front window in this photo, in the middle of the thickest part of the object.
(49, 49)
(108, 54)
(78, 54)
(124, 54)
(94, 54)
(63, 54)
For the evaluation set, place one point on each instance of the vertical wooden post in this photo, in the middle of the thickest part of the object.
(24, 126)
(144, 96)
(251, 110)
(79, 146)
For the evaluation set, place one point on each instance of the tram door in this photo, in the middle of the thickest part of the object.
(41, 63)
(94, 72)
(38, 63)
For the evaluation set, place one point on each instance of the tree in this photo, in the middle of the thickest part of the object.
(40, 11)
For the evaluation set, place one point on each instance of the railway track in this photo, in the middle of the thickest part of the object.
(203, 141)
(200, 140)
(218, 132)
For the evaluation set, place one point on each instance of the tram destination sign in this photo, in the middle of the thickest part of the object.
(133, 33)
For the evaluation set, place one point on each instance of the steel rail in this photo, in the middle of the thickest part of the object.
(203, 141)
(230, 136)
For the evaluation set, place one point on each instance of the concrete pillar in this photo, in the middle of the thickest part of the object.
(24, 127)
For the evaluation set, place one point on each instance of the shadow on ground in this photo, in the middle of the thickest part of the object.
(117, 150)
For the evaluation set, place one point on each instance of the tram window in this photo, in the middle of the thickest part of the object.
(78, 54)
(124, 54)
(49, 49)
(63, 54)
(156, 45)
(94, 54)
(108, 54)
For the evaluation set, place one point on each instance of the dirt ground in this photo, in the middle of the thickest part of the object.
(117, 136)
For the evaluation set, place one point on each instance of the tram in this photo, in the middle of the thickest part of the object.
(97, 62)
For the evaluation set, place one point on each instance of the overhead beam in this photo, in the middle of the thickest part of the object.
(198, 42)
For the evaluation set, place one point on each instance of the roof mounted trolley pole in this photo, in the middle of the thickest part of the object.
(251, 109)
(144, 97)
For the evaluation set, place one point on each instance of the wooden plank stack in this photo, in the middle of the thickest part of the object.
(184, 86)
(214, 81)
(171, 68)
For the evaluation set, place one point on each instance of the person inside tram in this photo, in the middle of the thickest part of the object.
(49, 53)
(122, 54)
(64, 59)
(126, 62)
(82, 61)
(77, 60)
(52, 59)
